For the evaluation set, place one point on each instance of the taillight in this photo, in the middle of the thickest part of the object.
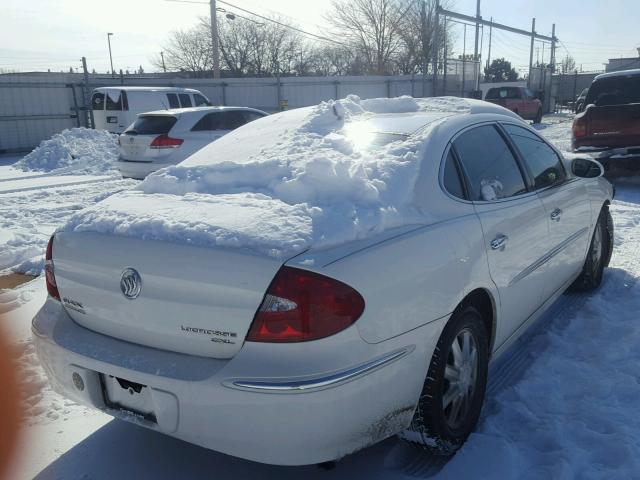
(579, 128)
(165, 141)
(300, 306)
(52, 286)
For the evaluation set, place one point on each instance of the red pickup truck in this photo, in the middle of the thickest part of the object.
(610, 123)
(519, 100)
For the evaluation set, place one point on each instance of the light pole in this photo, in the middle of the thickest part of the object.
(110, 57)
(214, 39)
(164, 68)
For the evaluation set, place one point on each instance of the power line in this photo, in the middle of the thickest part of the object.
(299, 30)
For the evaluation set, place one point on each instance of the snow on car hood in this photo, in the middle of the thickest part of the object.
(282, 184)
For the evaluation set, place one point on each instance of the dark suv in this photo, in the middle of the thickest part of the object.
(610, 123)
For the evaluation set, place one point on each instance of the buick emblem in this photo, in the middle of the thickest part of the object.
(130, 283)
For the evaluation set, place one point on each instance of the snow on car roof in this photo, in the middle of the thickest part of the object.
(282, 184)
(179, 111)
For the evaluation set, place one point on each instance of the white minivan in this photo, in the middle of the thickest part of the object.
(115, 108)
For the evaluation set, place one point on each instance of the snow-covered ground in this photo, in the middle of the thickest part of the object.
(561, 405)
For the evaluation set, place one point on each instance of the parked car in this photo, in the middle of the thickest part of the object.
(307, 357)
(166, 137)
(579, 106)
(115, 108)
(519, 100)
(610, 123)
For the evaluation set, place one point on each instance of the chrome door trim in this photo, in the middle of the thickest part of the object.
(548, 256)
(304, 385)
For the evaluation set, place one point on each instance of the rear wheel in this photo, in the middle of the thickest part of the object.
(598, 255)
(453, 392)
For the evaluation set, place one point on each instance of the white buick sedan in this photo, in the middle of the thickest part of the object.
(322, 279)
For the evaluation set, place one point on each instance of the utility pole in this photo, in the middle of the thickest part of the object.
(475, 48)
(85, 92)
(425, 51)
(553, 48)
(489, 54)
(464, 60)
(533, 38)
(214, 39)
(444, 73)
(110, 57)
(435, 47)
(164, 67)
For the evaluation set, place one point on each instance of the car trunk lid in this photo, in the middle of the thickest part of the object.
(190, 299)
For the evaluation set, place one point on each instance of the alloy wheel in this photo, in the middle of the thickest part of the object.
(460, 375)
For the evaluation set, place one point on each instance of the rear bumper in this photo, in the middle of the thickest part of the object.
(259, 406)
(608, 152)
(139, 170)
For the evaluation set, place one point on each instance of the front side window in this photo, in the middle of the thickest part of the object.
(200, 100)
(491, 168)
(250, 116)
(543, 162)
(231, 120)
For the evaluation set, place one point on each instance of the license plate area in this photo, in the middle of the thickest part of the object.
(127, 396)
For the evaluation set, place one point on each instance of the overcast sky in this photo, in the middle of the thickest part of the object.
(41, 34)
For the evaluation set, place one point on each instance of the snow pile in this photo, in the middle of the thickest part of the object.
(283, 183)
(76, 150)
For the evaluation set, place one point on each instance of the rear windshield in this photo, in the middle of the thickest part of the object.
(614, 91)
(97, 101)
(151, 125)
(504, 92)
(122, 102)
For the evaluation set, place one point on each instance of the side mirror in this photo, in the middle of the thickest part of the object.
(586, 168)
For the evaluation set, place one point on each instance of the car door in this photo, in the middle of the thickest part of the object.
(513, 220)
(566, 205)
(205, 130)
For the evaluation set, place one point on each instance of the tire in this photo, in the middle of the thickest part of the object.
(435, 425)
(598, 256)
(538, 118)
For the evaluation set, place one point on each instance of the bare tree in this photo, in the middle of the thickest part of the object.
(188, 50)
(567, 64)
(370, 26)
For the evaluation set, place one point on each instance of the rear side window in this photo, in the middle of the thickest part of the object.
(111, 105)
(211, 121)
(451, 178)
(543, 162)
(614, 91)
(173, 100)
(185, 100)
(97, 101)
(151, 125)
(200, 100)
(491, 168)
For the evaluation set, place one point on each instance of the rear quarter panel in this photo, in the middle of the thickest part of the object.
(413, 279)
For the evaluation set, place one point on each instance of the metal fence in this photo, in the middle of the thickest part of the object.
(35, 106)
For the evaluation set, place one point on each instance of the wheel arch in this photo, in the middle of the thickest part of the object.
(485, 303)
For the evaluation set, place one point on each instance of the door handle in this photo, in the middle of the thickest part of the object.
(556, 214)
(499, 242)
